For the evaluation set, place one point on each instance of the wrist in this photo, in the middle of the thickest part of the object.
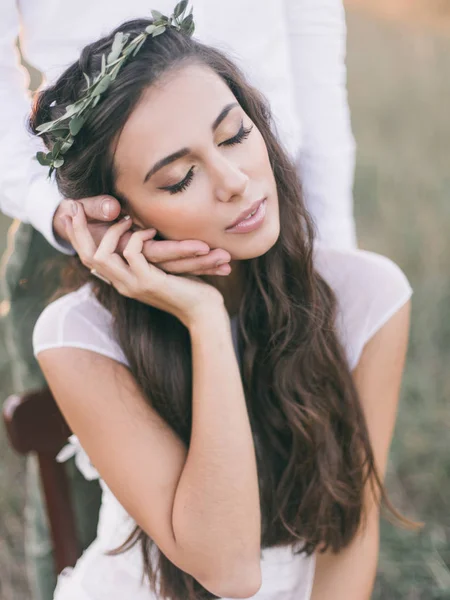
(208, 315)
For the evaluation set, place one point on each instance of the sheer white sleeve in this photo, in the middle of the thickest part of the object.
(25, 191)
(77, 320)
(370, 288)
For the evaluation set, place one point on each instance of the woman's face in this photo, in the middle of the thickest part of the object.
(190, 161)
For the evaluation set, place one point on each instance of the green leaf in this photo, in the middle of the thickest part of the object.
(45, 126)
(150, 29)
(138, 47)
(118, 41)
(71, 109)
(103, 64)
(56, 148)
(88, 81)
(187, 22)
(115, 71)
(66, 145)
(96, 101)
(102, 85)
(113, 55)
(180, 8)
(58, 163)
(158, 30)
(60, 132)
(157, 15)
(76, 124)
(117, 46)
(42, 159)
(191, 29)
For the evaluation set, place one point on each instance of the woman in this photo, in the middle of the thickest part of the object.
(239, 419)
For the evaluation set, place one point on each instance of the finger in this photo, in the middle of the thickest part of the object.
(214, 259)
(133, 255)
(82, 239)
(164, 250)
(223, 270)
(101, 208)
(110, 240)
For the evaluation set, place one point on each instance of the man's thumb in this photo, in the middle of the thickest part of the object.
(101, 208)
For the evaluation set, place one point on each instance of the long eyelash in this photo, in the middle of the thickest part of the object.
(241, 135)
(182, 185)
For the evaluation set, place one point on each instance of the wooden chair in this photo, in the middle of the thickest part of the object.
(34, 423)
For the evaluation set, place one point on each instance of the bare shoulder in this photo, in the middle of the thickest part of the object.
(378, 377)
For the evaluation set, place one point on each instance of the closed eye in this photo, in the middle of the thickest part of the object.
(241, 135)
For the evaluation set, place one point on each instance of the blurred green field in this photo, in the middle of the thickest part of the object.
(399, 90)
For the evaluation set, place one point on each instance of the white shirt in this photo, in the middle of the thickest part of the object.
(369, 289)
(292, 50)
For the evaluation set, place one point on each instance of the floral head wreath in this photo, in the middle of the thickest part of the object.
(66, 127)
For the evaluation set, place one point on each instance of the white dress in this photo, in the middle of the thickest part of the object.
(370, 288)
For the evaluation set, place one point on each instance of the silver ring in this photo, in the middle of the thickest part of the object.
(94, 272)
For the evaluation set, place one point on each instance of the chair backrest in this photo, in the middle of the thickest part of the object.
(34, 423)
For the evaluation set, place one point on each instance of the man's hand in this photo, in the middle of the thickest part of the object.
(100, 211)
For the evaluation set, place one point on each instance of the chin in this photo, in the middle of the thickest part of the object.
(249, 246)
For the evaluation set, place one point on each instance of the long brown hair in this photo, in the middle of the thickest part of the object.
(313, 451)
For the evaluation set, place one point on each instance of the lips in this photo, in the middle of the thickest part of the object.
(246, 213)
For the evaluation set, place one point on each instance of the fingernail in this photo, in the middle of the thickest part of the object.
(126, 217)
(221, 262)
(74, 208)
(106, 208)
(201, 252)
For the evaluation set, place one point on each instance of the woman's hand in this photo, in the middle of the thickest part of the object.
(133, 276)
(188, 256)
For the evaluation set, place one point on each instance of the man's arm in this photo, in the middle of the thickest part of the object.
(317, 40)
(25, 191)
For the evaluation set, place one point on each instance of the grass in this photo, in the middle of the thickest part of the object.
(399, 85)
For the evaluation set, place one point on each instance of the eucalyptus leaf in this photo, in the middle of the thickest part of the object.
(150, 28)
(76, 124)
(180, 8)
(45, 126)
(68, 143)
(191, 29)
(96, 101)
(187, 22)
(56, 148)
(157, 15)
(118, 41)
(102, 86)
(42, 159)
(71, 109)
(60, 132)
(115, 71)
(113, 55)
(103, 64)
(138, 47)
(58, 163)
(158, 30)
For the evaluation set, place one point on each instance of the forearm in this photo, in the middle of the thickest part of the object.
(350, 574)
(216, 512)
(317, 38)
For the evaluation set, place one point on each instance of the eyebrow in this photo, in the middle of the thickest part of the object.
(180, 153)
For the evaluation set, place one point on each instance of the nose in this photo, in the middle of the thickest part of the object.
(230, 181)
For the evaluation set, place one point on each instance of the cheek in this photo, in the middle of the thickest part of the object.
(257, 153)
(178, 219)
